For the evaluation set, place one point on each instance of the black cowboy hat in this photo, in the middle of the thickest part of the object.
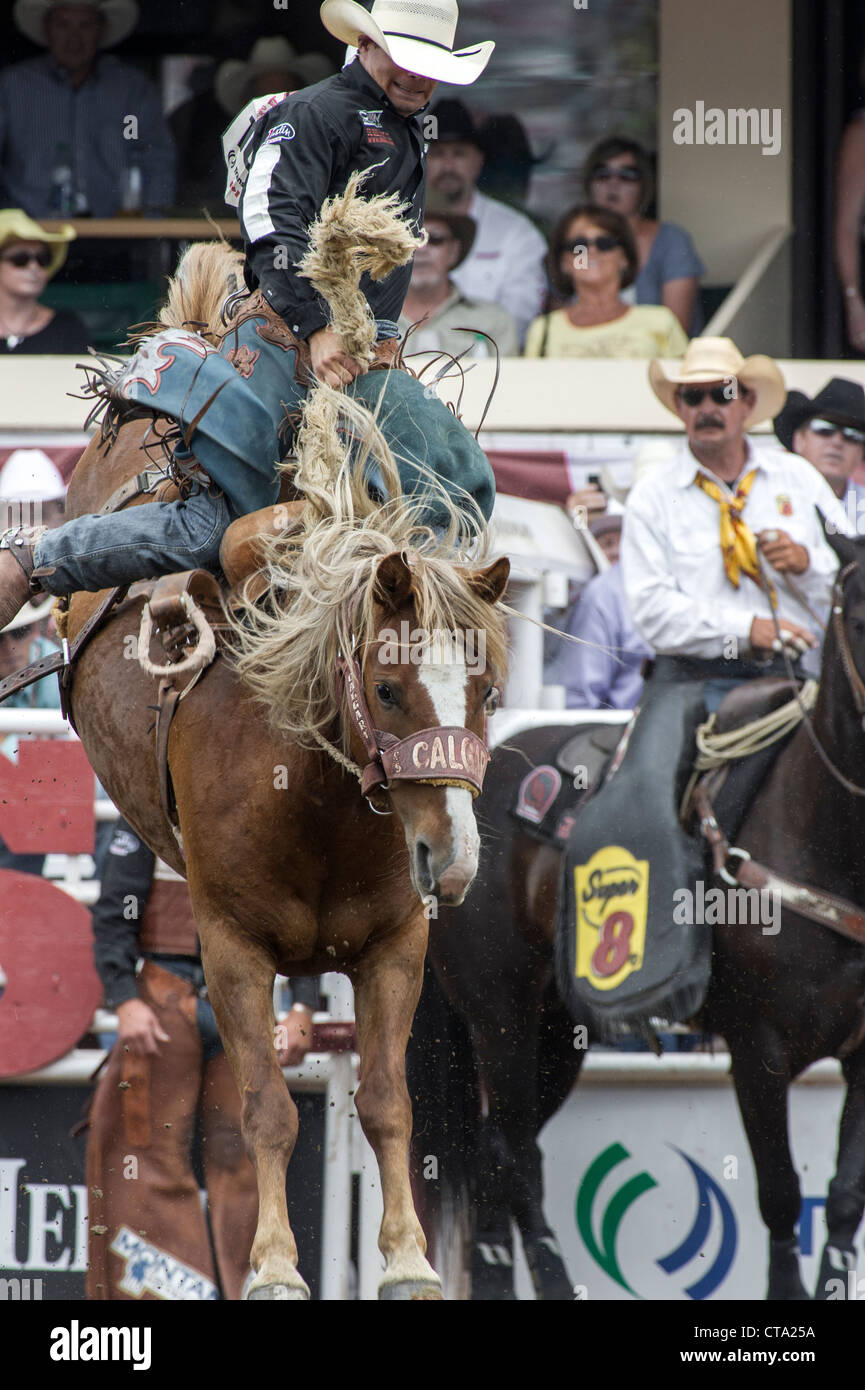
(455, 123)
(841, 401)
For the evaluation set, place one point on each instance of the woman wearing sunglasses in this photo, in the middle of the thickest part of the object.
(593, 258)
(29, 257)
(618, 175)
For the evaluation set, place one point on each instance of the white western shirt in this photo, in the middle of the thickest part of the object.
(680, 598)
(506, 262)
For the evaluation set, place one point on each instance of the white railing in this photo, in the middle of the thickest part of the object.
(756, 313)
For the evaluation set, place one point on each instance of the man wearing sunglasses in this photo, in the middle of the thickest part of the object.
(829, 431)
(726, 539)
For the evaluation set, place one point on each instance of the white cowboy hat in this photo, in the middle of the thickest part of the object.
(267, 55)
(718, 359)
(417, 35)
(28, 475)
(120, 16)
(31, 613)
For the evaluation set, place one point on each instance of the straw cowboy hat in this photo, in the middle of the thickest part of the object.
(15, 225)
(461, 225)
(120, 18)
(267, 55)
(718, 359)
(31, 613)
(415, 34)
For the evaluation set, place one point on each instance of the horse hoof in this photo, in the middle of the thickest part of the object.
(266, 1292)
(412, 1290)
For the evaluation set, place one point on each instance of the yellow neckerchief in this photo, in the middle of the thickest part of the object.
(738, 542)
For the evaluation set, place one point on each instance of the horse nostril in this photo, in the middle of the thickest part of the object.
(423, 857)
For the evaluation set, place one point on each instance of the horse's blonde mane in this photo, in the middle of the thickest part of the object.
(322, 575)
(207, 272)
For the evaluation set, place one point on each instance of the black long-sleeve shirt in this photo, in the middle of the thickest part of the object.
(127, 876)
(305, 151)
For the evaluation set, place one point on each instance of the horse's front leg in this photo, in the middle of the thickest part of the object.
(240, 976)
(387, 981)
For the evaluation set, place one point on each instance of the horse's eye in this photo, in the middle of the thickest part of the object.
(385, 695)
(491, 700)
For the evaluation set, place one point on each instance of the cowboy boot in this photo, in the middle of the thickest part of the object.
(17, 584)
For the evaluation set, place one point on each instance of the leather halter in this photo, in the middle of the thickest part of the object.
(450, 757)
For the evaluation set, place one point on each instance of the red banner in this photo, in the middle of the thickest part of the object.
(46, 801)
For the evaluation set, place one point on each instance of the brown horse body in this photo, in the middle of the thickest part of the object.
(291, 871)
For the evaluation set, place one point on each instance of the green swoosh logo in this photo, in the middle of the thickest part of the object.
(605, 1253)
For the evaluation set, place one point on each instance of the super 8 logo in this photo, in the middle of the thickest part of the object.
(611, 893)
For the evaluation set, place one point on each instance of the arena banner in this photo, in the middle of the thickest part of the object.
(650, 1188)
(43, 1191)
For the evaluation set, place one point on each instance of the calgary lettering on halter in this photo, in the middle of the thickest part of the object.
(440, 647)
(442, 754)
(604, 891)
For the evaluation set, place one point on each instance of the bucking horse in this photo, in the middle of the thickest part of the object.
(308, 770)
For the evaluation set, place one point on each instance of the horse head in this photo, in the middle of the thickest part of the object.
(426, 692)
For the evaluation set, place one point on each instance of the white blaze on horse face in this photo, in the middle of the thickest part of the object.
(447, 684)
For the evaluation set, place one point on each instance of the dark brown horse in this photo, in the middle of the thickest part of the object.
(289, 868)
(782, 1001)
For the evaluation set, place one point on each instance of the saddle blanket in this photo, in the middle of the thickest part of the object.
(622, 952)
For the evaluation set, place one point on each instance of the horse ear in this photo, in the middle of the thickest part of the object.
(846, 549)
(490, 584)
(392, 584)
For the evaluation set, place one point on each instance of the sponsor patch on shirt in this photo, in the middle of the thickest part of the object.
(285, 131)
(785, 506)
(373, 133)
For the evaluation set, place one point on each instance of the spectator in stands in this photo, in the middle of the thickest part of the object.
(82, 133)
(435, 302)
(29, 257)
(618, 175)
(272, 66)
(829, 431)
(197, 124)
(592, 253)
(850, 225)
(603, 671)
(505, 264)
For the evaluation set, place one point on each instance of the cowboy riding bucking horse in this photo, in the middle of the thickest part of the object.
(287, 155)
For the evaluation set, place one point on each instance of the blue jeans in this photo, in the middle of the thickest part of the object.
(97, 552)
